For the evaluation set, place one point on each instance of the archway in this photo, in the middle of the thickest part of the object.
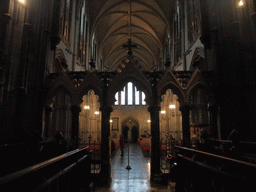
(135, 134)
(125, 132)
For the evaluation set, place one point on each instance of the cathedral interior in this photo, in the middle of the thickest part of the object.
(176, 79)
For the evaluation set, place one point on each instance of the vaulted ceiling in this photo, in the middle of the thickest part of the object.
(145, 22)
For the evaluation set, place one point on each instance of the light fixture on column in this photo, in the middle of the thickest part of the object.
(149, 121)
(96, 112)
(241, 3)
(172, 106)
(163, 112)
(110, 121)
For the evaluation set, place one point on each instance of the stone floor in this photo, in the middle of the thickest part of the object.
(135, 180)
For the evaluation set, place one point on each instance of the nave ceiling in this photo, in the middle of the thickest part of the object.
(145, 22)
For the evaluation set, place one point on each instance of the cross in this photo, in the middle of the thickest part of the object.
(129, 45)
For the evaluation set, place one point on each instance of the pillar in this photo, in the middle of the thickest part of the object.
(155, 131)
(155, 140)
(105, 134)
(213, 121)
(185, 109)
(47, 123)
(253, 16)
(205, 24)
(55, 38)
(75, 110)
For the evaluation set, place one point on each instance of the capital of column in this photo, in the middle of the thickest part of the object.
(185, 107)
(75, 108)
(154, 109)
(49, 109)
(106, 109)
(212, 108)
(5, 18)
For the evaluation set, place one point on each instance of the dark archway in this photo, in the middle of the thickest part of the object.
(135, 134)
(125, 132)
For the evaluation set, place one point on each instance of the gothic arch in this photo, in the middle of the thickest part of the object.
(90, 82)
(55, 90)
(124, 122)
(130, 74)
(199, 85)
(61, 83)
(197, 80)
(176, 90)
(169, 81)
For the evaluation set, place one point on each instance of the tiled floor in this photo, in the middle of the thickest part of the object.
(135, 180)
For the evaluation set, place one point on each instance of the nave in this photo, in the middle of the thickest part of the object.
(135, 180)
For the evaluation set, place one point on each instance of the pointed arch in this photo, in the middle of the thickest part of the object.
(62, 82)
(169, 81)
(130, 74)
(90, 82)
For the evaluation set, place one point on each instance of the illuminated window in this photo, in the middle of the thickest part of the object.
(123, 97)
(137, 96)
(143, 99)
(130, 96)
(116, 97)
(130, 99)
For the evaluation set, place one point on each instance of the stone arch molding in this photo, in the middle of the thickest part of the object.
(63, 81)
(197, 80)
(92, 81)
(126, 120)
(169, 81)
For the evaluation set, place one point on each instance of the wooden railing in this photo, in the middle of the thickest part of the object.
(195, 170)
(67, 172)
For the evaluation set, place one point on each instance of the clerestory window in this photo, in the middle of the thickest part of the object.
(130, 96)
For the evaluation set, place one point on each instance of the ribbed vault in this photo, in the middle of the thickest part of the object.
(142, 21)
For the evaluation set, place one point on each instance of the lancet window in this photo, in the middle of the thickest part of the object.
(130, 95)
(66, 19)
(193, 20)
(177, 35)
(83, 32)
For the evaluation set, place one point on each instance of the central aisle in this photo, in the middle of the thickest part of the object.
(135, 180)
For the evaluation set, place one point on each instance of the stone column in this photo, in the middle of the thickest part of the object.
(55, 38)
(47, 123)
(253, 16)
(75, 110)
(185, 124)
(155, 141)
(4, 21)
(205, 23)
(105, 134)
(213, 121)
